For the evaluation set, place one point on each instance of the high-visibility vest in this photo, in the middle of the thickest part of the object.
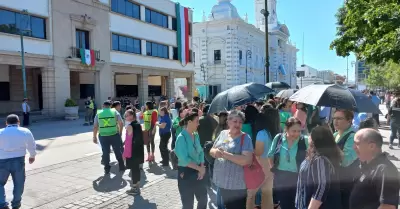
(147, 119)
(91, 105)
(107, 122)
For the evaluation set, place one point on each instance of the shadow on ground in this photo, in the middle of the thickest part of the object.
(139, 202)
(107, 183)
(54, 129)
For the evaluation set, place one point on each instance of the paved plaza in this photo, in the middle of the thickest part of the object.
(67, 173)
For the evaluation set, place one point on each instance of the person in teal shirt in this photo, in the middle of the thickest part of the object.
(267, 125)
(191, 169)
(284, 113)
(287, 152)
(344, 137)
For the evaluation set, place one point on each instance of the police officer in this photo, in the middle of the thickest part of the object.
(108, 124)
(89, 104)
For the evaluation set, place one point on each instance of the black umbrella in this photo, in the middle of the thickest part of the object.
(286, 93)
(278, 85)
(238, 95)
(335, 96)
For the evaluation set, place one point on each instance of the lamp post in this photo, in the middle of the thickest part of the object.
(21, 32)
(248, 55)
(204, 78)
(266, 14)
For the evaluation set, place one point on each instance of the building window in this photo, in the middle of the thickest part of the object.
(156, 18)
(240, 57)
(217, 56)
(174, 24)
(86, 90)
(175, 54)
(14, 23)
(157, 50)
(190, 29)
(126, 90)
(5, 93)
(82, 39)
(126, 44)
(126, 7)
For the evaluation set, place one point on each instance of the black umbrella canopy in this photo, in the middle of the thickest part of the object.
(278, 85)
(238, 95)
(286, 93)
(335, 96)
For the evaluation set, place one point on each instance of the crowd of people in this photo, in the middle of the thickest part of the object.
(311, 157)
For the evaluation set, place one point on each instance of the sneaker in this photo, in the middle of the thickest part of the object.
(133, 191)
(390, 146)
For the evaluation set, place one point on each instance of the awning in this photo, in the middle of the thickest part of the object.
(282, 69)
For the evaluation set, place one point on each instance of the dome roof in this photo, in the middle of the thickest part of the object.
(224, 10)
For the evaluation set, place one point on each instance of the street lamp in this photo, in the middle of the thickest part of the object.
(204, 78)
(21, 32)
(266, 14)
(248, 55)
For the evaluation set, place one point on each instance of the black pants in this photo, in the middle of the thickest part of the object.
(234, 199)
(285, 185)
(376, 117)
(26, 119)
(135, 172)
(164, 139)
(189, 187)
(114, 141)
(173, 134)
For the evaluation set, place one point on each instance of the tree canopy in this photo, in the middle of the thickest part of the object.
(370, 29)
(387, 75)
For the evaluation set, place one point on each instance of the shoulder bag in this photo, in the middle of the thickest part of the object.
(254, 175)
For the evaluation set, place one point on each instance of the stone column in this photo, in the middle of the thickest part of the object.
(49, 91)
(143, 86)
(171, 85)
(97, 91)
(190, 86)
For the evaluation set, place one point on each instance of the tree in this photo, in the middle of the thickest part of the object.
(387, 75)
(370, 29)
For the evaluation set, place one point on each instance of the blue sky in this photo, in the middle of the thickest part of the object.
(314, 18)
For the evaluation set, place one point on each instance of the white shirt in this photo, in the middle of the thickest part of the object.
(14, 141)
(25, 107)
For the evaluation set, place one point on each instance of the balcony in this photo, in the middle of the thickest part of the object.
(75, 53)
(74, 61)
(216, 62)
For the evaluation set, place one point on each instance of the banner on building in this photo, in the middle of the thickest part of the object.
(88, 57)
(182, 19)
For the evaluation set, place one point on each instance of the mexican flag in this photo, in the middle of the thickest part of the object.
(87, 57)
(182, 18)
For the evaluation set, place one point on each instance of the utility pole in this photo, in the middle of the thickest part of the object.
(266, 14)
(204, 79)
(347, 77)
(21, 32)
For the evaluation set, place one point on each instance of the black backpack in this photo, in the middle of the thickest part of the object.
(207, 147)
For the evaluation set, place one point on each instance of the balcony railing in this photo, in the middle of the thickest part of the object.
(76, 53)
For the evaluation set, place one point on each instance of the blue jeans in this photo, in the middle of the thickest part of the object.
(16, 168)
(114, 141)
(394, 129)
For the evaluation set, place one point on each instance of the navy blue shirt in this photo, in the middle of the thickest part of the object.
(165, 119)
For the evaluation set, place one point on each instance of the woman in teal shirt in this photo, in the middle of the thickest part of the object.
(191, 168)
(344, 137)
(287, 152)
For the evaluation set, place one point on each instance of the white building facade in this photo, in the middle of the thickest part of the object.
(134, 46)
(229, 51)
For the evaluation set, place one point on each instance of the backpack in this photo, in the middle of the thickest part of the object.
(300, 156)
(344, 140)
(207, 147)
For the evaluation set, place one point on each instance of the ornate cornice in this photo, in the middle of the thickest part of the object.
(84, 19)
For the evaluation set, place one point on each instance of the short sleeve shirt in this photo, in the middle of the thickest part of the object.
(228, 175)
(264, 137)
(378, 184)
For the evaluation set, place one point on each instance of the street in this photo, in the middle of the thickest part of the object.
(67, 173)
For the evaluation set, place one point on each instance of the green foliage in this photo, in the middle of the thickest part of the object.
(386, 75)
(370, 29)
(70, 103)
